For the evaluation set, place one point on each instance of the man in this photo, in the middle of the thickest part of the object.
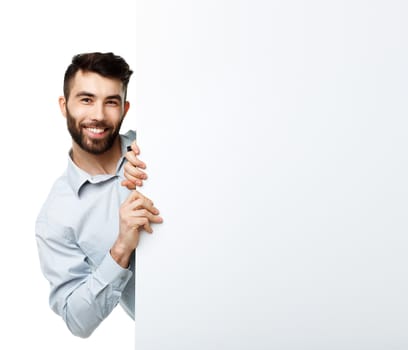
(89, 226)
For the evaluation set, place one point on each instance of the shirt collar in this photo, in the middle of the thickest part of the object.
(78, 177)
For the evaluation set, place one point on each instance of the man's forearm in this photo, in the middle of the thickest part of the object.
(92, 301)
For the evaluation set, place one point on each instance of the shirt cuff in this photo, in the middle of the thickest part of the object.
(110, 272)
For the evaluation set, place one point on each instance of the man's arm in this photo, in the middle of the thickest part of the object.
(81, 293)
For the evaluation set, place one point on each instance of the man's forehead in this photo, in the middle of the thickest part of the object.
(94, 82)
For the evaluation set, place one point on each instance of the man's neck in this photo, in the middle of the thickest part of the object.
(97, 164)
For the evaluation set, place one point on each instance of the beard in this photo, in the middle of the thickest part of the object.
(93, 146)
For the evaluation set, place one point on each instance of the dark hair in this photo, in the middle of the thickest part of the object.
(106, 64)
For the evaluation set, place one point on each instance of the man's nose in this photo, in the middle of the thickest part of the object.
(99, 111)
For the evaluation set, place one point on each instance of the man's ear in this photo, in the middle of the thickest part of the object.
(126, 108)
(63, 105)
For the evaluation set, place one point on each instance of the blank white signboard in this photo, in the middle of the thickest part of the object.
(275, 134)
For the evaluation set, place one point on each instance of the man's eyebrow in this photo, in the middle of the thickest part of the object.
(84, 93)
(114, 97)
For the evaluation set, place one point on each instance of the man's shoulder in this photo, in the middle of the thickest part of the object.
(61, 186)
(51, 218)
(58, 195)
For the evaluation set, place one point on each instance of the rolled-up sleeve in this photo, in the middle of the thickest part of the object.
(82, 294)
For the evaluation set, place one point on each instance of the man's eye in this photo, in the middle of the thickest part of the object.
(112, 102)
(86, 100)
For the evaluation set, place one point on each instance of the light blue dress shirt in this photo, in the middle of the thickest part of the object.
(75, 229)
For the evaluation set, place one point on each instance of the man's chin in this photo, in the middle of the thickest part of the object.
(95, 148)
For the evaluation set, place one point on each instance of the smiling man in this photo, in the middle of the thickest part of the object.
(89, 226)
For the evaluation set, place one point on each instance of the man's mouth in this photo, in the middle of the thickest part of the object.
(93, 131)
(96, 130)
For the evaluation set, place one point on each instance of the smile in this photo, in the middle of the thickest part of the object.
(95, 130)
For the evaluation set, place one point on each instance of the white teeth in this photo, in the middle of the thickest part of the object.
(95, 130)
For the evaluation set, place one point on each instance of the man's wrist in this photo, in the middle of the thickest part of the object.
(121, 255)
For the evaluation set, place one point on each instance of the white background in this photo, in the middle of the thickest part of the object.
(38, 41)
(275, 133)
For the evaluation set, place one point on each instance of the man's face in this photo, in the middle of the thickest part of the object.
(95, 110)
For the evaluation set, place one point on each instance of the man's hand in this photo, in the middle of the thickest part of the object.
(132, 169)
(136, 213)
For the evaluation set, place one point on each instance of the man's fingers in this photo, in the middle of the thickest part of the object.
(147, 227)
(134, 160)
(144, 203)
(135, 148)
(132, 179)
(133, 173)
(132, 167)
(129, 184)
(142, 222)
(134, 195)
(138, 201)
(147, 214)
